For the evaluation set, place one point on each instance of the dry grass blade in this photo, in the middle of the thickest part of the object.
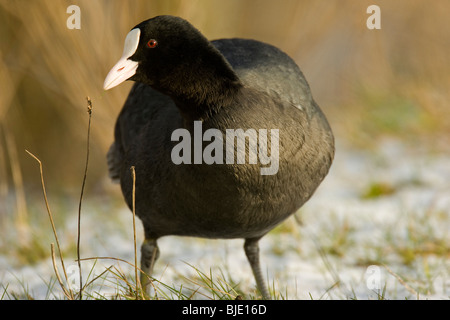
(22, 222)
(112, 258)
(138, 282)
(51, 218)
(108, 269)
(402, 282)
(89, 110)
(67, 293)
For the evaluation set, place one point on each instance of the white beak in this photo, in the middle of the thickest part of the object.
(124, 68)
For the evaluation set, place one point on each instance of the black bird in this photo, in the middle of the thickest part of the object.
(186, 84)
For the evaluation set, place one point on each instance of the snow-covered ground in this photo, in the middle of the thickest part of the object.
(343, 244)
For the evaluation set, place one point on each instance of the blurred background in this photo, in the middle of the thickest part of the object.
(371, 84)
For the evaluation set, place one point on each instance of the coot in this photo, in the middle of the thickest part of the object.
(224, 135)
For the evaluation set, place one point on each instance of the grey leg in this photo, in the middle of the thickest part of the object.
(252, 251)
(149, 254)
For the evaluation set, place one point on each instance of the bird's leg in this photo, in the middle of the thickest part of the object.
(149, 254)
(252, 251)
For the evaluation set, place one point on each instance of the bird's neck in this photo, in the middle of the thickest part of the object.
(207, 100)
(202, 87)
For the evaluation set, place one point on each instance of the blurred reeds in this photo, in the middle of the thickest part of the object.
(370, 83)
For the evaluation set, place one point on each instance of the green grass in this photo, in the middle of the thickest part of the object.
(378, 189)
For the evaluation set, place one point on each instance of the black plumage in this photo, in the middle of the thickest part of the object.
(226, 84)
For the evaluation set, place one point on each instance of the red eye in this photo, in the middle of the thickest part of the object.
(152, 43)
